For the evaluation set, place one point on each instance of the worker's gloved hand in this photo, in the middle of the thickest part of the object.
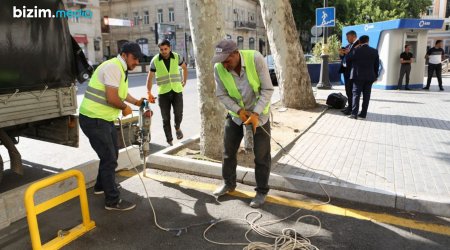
(150, 97)
(243, 115)
(126, 111)
(254, 120)
(139, 102)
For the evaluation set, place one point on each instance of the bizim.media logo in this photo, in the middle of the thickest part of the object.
(47, 13)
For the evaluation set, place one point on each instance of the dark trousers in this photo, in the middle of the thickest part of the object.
(431, 69)
(166, 102)
(366, 88)
(405, 70)
(348, 91)
(102, 136)
(261, 148)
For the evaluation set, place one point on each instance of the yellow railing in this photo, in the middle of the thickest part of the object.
(33, 210)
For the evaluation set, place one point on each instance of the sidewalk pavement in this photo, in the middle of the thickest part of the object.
(398, 157)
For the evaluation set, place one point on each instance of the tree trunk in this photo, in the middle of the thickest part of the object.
(291, 70)
(206, 23)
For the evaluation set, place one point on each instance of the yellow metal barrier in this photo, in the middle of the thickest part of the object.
(33, 210)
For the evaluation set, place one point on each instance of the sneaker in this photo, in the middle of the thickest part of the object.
(179, 134)
(352, 117)
(100, 191)
(258, 201)
(222, 190)
(426, 88)
(121, 205)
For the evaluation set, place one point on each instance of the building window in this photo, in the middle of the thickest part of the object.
(240, 42)
(430, 11)
(136, 18)
(251, 43)
(146, 17)
(171, 15)
(160, 16)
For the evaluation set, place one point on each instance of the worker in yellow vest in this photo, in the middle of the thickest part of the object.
(170, 87)
(243, 85)
(103, 100)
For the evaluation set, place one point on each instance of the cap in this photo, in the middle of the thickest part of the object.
(133, 48)
(223, 49)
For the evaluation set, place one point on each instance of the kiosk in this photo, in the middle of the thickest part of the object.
(390, 37)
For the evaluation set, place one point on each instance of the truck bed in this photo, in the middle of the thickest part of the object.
(32, 106)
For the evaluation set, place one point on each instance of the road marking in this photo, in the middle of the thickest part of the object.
(327, 208)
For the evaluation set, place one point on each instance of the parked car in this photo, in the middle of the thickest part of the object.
(271, 65)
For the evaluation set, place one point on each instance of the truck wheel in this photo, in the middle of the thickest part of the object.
(1, 168)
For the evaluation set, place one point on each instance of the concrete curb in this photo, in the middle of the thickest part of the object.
(297, 184)
(12, 204)
(337, 190)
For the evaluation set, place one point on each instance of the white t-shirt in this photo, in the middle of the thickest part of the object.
(110, 74)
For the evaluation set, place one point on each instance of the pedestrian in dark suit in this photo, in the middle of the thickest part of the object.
(346, 67)
(365, 64)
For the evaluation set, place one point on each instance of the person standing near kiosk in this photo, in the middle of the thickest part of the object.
(406, 58)
(435, 56)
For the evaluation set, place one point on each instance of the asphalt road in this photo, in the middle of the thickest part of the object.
(182, 200)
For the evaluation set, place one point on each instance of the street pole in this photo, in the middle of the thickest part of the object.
(324, 80)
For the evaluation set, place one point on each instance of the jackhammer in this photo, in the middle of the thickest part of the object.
(143, 134)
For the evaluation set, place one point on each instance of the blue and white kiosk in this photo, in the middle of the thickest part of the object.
(389, 37)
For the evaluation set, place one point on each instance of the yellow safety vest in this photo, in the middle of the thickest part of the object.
(168, 80)
(94, 104)
(252, 76)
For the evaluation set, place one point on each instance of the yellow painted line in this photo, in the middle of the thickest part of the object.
(327, 208)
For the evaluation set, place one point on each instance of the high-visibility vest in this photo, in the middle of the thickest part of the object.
(94, 104)
(168, 80)
(252, 76)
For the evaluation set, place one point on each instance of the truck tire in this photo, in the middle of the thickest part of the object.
(1, 168)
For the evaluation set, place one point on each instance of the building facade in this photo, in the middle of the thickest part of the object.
(152, 21)
(439, 9)
(86, 29)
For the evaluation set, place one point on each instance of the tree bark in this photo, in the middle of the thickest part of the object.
(206, 23)
(291, 70)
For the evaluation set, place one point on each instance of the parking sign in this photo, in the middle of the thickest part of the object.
(325, 17)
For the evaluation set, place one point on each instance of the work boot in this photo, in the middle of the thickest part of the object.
(121, 205)
(258, 201)
(179, 134)
(224, 189)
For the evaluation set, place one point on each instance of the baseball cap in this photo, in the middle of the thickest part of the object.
(133, 48)
(223, 49)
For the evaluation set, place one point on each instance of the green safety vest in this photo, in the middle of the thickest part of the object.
(94, 104)
(252, 76)
(166, 80)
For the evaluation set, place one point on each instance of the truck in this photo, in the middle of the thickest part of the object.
(40, 67)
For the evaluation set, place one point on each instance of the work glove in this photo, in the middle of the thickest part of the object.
(126, 111)
(254, 120)
(150, 98)
(243, 115)
(139, 102)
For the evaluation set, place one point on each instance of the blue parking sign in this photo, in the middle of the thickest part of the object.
(325, 17)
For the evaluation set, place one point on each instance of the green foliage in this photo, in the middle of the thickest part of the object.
(332, 49)
(351, 12)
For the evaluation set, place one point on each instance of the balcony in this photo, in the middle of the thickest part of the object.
(77, 3)
(241, 25)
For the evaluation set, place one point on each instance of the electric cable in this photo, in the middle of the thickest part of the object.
(289, 238)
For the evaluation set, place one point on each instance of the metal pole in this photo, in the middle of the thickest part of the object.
(324, 80)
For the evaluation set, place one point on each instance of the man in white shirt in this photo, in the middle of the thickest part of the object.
(435, 56)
